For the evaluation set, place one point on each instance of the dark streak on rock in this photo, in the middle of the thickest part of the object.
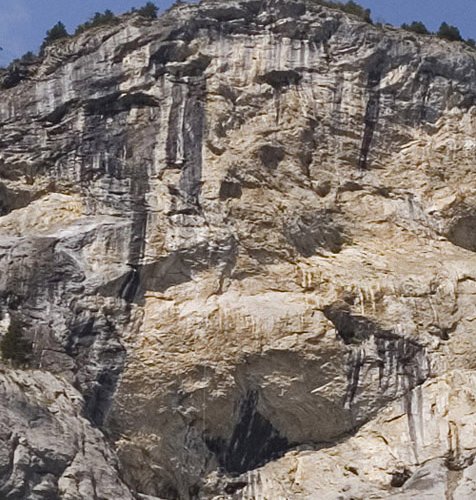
(253, 443)
(371, 116)
(194, 123)
(354, 366)
(425, 79)
(407, 404)
(402, 363)
(185, 141)
(110, 157)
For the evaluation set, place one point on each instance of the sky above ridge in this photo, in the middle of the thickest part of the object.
(23, 23)
(461, 13)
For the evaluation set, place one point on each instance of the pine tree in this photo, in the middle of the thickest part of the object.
(149, 10)
(416, 27)
(57, 32)
(450, 33)
(99, 19)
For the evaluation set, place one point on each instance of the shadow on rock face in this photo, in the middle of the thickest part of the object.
(277, 400)
(271, 156)
(173, 269)
(463, 232)
(401, 363)
(253, 443)
(230, 189)
(14, 199)
(316, 231)
(280, 78)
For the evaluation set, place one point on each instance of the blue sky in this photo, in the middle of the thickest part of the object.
(461, 13)
(23, 23)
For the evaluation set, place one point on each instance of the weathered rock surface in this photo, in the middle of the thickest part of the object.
(244, 233)
(48, 449)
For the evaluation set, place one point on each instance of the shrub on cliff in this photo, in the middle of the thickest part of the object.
(349, 7)
(354, 8)
(450, 33)
(99, 19)
(18, 70)
(149, 10)
(24, 60)
(416, 27)
(57, 32)
(13, 346)
(27, 58)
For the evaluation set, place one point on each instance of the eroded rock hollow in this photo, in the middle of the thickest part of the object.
(237, 253)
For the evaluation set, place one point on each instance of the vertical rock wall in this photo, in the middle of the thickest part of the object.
(243, 234)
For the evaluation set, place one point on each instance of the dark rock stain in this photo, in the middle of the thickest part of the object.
(402, 363)
(194, 123)
(254, 441)
(371, 115)
(184, 142)
(93, 342)
(425, 79)
(230, 189)
(271, 155)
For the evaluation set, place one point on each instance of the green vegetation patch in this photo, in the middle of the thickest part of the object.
(349, 7)
(416, 27)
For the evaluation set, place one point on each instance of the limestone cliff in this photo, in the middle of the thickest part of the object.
(240, 241)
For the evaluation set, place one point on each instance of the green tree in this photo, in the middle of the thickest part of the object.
(149, 10)
(416, 27)
(99, 19)
(13, 346)
(354, 8)
(350, 7)
(57, 32)
(28, 57)
(106, 17)
(450, 33)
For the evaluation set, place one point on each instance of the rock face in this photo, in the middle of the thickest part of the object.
(239, 242)
(49, 450)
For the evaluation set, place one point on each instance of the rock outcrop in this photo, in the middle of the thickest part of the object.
(49, 450)
(239, 244)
